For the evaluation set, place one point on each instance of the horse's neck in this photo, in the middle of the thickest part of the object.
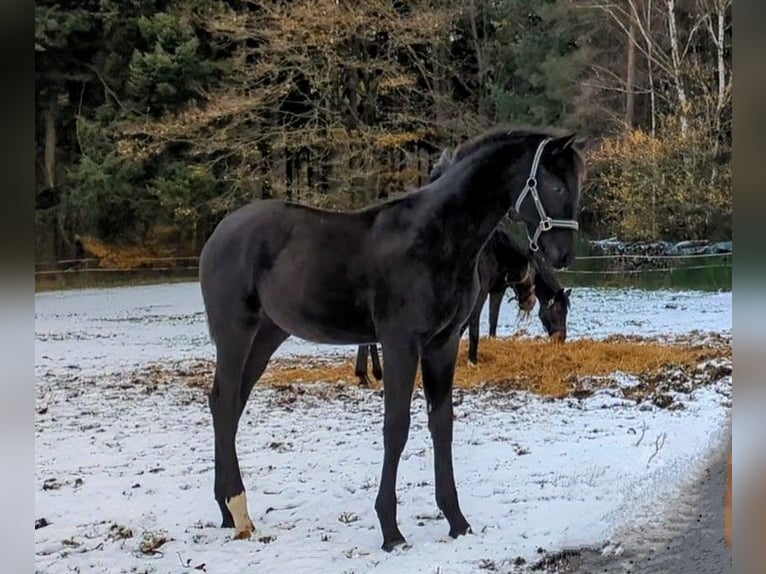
(468, 206)
(546, 285)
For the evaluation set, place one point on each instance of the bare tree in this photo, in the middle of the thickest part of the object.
(675, 58)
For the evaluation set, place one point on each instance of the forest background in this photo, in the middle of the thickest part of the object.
(156, 118)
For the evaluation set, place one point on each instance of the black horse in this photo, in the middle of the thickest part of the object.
(502, 264)
(539, 283)
(402, 273)
(553, 299)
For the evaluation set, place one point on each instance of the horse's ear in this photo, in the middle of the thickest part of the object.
(585, 144)
(568, 292)
(562, 143)
(445, 160)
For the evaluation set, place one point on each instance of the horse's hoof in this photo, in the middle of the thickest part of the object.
(364, 382)
(244, 534)
(246, 531)
(471, 364)
(389, 545)
(460, 531)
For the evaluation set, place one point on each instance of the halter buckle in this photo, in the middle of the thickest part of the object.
(546, 224)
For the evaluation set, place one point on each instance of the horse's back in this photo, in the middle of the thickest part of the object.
(305, 268)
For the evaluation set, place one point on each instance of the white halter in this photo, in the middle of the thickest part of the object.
(546, 223)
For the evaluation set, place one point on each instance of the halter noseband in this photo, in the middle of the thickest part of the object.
(546, 223)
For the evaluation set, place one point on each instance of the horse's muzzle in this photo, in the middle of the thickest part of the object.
(559, 336)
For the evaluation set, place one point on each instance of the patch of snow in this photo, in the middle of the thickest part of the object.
(531, 473)
(98, 330)
(124, 470)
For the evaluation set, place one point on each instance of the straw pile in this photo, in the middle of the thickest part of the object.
(535, 365)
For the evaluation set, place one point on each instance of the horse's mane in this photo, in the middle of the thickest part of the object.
(548, 277)
(510, 133)
(471, 146)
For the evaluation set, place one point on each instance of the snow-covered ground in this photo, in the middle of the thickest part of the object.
(119, 461)
(100, 330)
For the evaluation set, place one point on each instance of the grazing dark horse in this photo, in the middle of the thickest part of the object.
(402, 273)
(553, 299)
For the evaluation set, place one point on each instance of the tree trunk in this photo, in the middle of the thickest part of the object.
(675, 54)
(721, 61)
(480, 63)
(650, 68)
(49, 117)
(630, 80)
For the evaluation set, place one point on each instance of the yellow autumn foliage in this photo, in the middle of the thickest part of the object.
(672, 186)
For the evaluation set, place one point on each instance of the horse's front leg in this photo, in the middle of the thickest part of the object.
(473, 328)
(495, 300)
(401, 360)
(438, 368)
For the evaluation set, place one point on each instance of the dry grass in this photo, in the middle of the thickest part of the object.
(121, 256)
(535, 365)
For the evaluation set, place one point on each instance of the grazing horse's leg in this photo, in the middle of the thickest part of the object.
(401, 360)
(495, 300)
(438, 368)
(229, 488)
(473, 328)
(361, 365)
(377, 370)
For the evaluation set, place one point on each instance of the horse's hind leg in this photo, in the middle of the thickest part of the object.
(438, 369)
(361, 365)
(473, 329)
(227, 405)
(232, 348)
(377, 370)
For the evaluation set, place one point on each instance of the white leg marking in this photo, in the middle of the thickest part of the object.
(243, 526)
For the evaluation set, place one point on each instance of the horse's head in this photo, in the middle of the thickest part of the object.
(550, 197)
(553, 315)
(544, 177)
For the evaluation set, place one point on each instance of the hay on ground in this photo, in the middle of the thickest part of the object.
(535, 365)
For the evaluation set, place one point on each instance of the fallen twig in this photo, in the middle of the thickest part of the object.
(658, 444)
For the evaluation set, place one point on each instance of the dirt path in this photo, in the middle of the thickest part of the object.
(689, 541)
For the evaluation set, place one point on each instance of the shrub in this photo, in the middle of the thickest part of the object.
(669, 186)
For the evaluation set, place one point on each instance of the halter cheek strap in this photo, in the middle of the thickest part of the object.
(546, 223)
